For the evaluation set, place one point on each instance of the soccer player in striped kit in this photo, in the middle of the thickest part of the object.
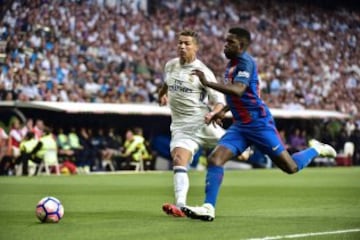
(253, 123)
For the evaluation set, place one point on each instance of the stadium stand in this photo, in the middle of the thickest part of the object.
(85, 51)
(108, 51)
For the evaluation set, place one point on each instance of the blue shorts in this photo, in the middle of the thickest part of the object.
(261, 134)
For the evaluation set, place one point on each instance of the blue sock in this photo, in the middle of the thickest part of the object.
(214, 178)
(303, 158)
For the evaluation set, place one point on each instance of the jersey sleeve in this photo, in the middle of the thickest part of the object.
(243, 71)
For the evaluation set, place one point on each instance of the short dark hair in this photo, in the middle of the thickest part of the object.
(29, 135)
(138, 131)
(241, 33)
(190, 33)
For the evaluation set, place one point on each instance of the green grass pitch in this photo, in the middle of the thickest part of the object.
(252, 204)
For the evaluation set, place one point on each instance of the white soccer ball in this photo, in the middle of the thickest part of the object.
(49, 210)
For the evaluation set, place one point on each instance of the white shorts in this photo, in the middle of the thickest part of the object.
(206, 136)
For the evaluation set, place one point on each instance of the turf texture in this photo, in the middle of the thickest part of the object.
(252, 204)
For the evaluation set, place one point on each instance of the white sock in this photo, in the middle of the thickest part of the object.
(181, 185)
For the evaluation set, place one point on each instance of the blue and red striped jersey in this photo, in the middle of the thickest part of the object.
(249, 106)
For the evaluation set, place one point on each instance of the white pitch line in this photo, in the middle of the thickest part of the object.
(301, 235)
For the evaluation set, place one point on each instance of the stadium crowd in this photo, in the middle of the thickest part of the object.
(112, 51)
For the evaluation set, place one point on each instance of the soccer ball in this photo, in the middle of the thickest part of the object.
(49, 210)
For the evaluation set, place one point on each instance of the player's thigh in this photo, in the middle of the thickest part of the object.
(182, 147)
(234, 140)
(269, 142)
(266, 139)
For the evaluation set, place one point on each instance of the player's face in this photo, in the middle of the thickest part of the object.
(186, 49)
(232, 46)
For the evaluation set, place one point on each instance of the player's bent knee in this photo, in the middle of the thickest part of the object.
(287, 168)
(285, 163)
(179, 161)
(290, 170)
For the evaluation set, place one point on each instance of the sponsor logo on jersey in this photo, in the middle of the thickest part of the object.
(243, 74)
(179, 87)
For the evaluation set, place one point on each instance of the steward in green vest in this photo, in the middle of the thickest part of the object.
(29, 146)
(49, 144)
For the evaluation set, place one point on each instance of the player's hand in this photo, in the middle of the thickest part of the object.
(200, 75)
(215, 118)
(163, 100)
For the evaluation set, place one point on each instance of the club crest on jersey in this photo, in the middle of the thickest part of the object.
(191, 78)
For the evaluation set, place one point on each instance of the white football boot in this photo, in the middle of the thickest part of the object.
(206, 212)
(324, 150)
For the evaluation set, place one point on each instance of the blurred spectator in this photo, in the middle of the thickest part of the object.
(355, 138)
(65, 152)
(98, 144)
(134, 149)
(28, 127)
(38, 129)
(15, 138)
(112, 147)
(5, 160)
(297, 141)
(74, 140)
(28, 148)
(77, 149)
(48, 145)
(3, 142)
(86, 156)
(147, 154)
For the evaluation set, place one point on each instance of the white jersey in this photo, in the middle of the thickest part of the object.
(188, 98)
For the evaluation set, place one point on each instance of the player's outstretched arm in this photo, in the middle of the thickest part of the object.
(235, 89)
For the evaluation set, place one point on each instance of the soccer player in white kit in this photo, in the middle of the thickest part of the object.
(188, 100)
